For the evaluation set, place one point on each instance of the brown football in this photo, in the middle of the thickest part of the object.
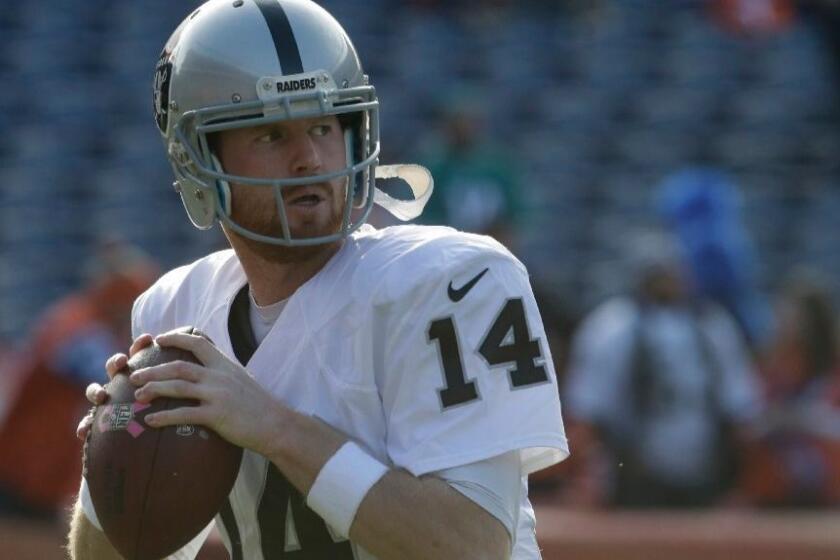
(154, 489)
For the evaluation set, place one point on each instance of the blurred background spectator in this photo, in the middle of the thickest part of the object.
(659, 388)
(702, 207)
(40, 461)
(754, 16)
(476, 181)
(795, 458)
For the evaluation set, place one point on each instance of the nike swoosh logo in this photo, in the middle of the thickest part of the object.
(458, 295)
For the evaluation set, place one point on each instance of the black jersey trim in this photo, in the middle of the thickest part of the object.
(232, 529)
(239, 327)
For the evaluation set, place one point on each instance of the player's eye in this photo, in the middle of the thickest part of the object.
(321, 129)
(269, 137)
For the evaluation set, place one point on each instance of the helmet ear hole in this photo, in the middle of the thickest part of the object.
(199, 202)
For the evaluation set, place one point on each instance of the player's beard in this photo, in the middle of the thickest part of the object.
(255, 215)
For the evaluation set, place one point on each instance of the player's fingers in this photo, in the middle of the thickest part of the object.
(177, 416)
(200, 346)
(115, 363)
(178, 369)
(84, 426)
(176, 388)
(139, 343)
(96, 394)
(197, 332)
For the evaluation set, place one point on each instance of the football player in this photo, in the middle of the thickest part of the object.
(392, 388)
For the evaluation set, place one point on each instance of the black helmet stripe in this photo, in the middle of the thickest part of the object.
(284, 39)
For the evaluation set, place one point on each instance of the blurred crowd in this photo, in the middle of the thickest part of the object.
(687, 389)
(689, 376)
(43, 388)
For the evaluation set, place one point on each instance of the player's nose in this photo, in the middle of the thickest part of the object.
(304, 156)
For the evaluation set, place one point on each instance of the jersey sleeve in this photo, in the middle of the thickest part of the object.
(168, 304)
(152, 311)
(151, 314)
(137, 322)
(495, 484)
(466, 372)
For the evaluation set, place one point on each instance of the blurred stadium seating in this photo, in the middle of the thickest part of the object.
(598, 110)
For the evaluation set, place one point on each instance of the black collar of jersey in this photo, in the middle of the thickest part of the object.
(239, 327)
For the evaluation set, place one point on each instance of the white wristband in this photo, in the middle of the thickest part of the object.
(342, 484)
(87, 504)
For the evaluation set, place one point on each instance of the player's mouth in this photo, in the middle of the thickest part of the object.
(305, 197)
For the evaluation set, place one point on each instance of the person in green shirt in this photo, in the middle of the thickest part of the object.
(476, 182)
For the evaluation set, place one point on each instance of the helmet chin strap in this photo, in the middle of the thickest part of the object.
(222, 186)
(418, 179)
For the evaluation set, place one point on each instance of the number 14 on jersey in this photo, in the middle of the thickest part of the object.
(507, 342)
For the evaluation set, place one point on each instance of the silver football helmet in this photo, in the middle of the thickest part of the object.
(243, 63)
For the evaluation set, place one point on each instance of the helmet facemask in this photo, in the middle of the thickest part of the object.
(202, 181)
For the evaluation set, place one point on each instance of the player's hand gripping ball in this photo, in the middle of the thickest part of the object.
(154, 489)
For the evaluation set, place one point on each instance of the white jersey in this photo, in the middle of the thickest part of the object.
(423, 344)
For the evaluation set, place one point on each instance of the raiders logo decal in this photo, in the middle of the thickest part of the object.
(163, 75)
